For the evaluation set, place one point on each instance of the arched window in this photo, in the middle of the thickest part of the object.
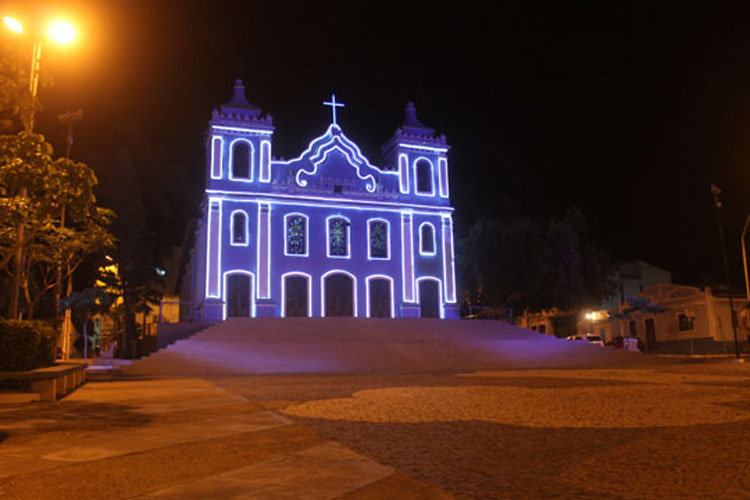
(241, 152)
(424, 176)
(338, 237)
(378, 234)
(239, 228)
(296, 234)
(427, 239)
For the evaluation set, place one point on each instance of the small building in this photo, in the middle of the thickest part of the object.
(688, 320)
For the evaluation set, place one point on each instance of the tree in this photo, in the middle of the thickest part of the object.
(85, 304)
(136, 271)
(54, 203)
(519, 263)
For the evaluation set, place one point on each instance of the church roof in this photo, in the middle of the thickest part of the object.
(239, 109)
(415, 132)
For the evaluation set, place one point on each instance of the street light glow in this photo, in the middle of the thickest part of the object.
(62, 32)
(13, 24)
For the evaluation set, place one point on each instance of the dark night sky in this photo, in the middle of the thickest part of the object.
(628, 111)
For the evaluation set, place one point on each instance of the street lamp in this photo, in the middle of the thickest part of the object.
(62, 33)
(591, 316)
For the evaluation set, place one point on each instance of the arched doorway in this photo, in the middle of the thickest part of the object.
(239, 293)
(338, 295)
(429, 298)
(295, 296)
(379, 292)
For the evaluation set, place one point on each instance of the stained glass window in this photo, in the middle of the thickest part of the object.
(296, 243)
(337, 237)
(379, 239)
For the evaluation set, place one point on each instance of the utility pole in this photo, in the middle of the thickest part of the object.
(67, 119)
(717, 205)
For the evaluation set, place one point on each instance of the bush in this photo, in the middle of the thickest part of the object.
(26, 345)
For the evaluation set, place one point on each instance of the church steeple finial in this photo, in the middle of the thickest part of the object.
(410, 116)
(238, 98)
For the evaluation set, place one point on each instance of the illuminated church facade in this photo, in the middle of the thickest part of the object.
(326, 233)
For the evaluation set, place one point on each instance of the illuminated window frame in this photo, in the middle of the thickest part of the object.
(217, 157)
(348, 237)
(388, 239)
(239, 213)
(323, 290)
(307, 235)
(403, 173)
(250, 160)
(421, 240)
(441, 303)
(253, 284)
(371, 277)
(265, 161)
(309, 291)
(443, 177)
(431, 192)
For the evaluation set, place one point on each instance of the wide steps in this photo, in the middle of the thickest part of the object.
(348, 345)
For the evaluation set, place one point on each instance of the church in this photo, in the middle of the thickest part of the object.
(326, 233)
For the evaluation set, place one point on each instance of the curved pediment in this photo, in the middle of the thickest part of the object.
(334, 156)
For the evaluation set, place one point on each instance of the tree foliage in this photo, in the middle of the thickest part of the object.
(519, 263)
(53, 200)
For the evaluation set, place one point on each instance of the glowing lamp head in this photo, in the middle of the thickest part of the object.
(13, 24)
(62, 32)
(590, 316)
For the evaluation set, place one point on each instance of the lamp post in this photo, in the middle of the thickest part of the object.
(717, 205)
(62, 33)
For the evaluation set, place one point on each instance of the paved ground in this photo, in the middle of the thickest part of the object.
(178, 439)
(579, 423)
(677, 431)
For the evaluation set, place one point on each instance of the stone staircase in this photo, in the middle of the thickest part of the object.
(349, 345)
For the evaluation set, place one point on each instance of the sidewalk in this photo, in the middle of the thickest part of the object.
(180, 438)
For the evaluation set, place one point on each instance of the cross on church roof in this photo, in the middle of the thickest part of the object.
(333, 104)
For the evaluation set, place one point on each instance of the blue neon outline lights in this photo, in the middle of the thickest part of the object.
(246, 230)
(217, 163)
(243, 129)
(305, 187)
(250, 160)
(263, 261)
(307, 235)
(251, 292)
(407, 256)
(368, 279)
(422, 251)
(213, 249)
(403, 173)
(414, 164)
(318, 148)
(308, 278)
(348, 237)
(323, 290)
(265, 161)
(441, 303)
(388, 239)
(449, 264)
(443, 176)
(333, 104)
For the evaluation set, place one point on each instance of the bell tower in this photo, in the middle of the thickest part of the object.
(420, 157)
(239, 143)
